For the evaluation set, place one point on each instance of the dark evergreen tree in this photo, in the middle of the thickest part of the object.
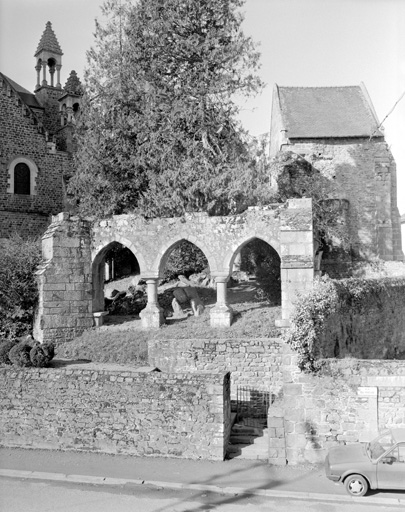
(159, 133)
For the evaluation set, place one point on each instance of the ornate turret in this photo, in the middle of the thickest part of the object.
(69, 107)
(48, 54)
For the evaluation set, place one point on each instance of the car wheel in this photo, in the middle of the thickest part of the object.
(356, 485)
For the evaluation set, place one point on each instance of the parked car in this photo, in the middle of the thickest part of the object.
(379, 464)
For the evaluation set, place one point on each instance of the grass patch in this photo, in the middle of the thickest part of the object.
(111, 345)
(123, 347)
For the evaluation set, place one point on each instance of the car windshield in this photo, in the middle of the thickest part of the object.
(379, 446)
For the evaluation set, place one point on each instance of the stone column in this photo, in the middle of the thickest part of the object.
(44, 82)
(221, 313)
(38, 70)
(152, 315)
(58, 84)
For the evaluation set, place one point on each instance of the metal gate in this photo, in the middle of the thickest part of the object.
(252, 405)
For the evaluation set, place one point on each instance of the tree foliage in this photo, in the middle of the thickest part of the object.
(159, 133)
(18, 287)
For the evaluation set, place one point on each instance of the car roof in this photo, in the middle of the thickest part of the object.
(398, 434)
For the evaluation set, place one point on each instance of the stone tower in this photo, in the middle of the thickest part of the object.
(48, 61)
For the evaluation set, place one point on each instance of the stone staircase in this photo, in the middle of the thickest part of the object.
(249, 440)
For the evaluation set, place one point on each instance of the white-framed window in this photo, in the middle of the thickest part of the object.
(22, 176)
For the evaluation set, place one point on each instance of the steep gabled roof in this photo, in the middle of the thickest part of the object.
(26, 96)
(327, 112)
(48, 41)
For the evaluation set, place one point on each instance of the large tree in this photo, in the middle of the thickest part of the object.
(159, 132)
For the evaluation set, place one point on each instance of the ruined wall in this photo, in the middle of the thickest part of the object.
(364, 173)
(21, 136)
(64, 281)
(120, 411)
(80, 256)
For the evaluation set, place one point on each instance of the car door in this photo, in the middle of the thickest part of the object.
(391, 469)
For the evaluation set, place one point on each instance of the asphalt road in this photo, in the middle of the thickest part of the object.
(20, 495)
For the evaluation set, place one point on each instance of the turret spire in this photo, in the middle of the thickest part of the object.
(48, 54)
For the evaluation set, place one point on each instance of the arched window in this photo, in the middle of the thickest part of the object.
(22, 176)
(22, 179)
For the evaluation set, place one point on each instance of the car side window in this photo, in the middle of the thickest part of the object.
(395, 455)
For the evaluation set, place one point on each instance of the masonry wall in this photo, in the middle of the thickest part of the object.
(364, 173)
(21, 136)
(64, 282)
(368, 326)
(120, 411)
(352, 400)
(257, 363)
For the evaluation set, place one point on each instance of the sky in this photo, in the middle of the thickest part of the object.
(302, 43)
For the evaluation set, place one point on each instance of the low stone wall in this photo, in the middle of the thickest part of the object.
(119, 410)
(350, 402)
(257, 363)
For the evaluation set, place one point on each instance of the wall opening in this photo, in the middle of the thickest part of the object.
(259, 262)
(184, 266)
(115, 276)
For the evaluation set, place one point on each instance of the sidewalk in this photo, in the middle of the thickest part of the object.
(229, 477)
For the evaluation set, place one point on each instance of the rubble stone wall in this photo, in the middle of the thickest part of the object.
(352, 400)
(257, 363)
(364, 173)
(120, 411)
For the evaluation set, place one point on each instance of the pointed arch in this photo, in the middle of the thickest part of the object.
(230, 256)
(98, 270)
(169, 246)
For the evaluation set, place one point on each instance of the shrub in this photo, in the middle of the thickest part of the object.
(18, 288)
(308, 319)
(5, 348)
(19, 355)
(345, 297)
(41, 355)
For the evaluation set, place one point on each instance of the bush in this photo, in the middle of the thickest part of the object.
(18, 288)
(41, 355)
(5, 348)
(19, 355)
(308, 320)
(345, 298)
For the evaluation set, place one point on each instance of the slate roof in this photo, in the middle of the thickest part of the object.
(327, 112)
(48, 41)
(26, 96)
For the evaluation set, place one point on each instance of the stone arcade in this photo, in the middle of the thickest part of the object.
(71, 278)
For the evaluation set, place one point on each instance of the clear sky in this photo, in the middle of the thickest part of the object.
(303, 43)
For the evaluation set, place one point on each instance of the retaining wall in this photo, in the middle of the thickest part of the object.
(257, 363)
(121, 411)
(351, 401)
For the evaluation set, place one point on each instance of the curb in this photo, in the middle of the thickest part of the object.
(100, 480)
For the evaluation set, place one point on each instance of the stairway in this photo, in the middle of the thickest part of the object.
(249, 440)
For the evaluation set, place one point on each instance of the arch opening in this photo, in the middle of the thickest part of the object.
(256, 261)
(184, 266)
(116, 272)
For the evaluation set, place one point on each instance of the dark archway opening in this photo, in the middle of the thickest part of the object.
(186, 282)
(258, 262)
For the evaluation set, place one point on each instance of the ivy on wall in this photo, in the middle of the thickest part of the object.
(345, 298)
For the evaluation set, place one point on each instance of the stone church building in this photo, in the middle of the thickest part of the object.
(36, 142)
(336, 129)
